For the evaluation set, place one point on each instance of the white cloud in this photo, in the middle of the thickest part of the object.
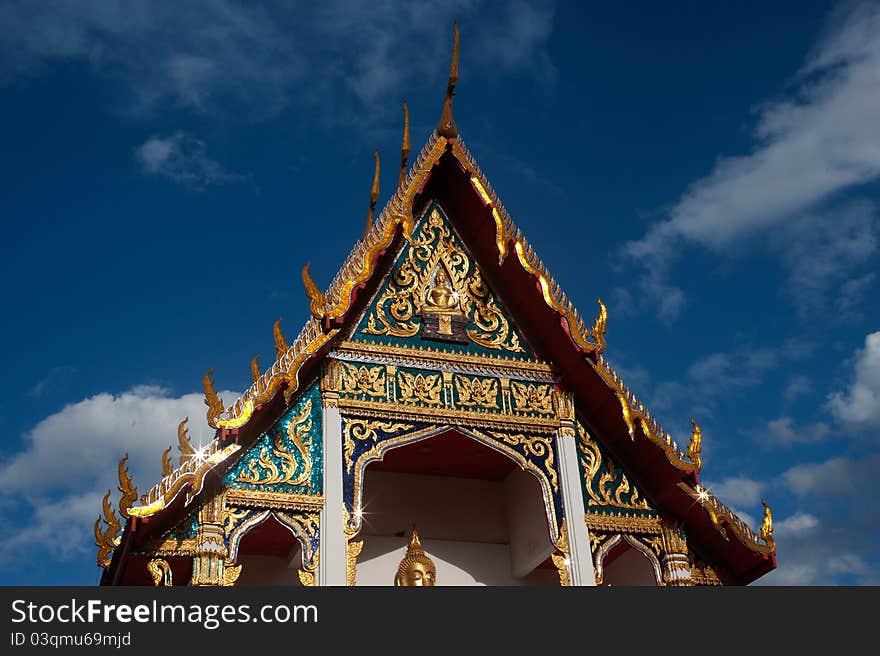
(834, 477)
(738, 491)
(220, 55)
(782, 431)
(807, 148)
(69, 460)
(797, 386)
(182, 159)
(859, 406)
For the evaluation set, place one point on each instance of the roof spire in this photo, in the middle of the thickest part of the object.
(374, 194)
(447, 123)
(404, 149)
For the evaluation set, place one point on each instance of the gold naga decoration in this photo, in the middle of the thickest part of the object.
(160, 572)
(187, 452)
(106, 540)
(280, 342)
(447, 128)
(214, 402)
(166, 463)
(600, 326)
(404, 148)
(695, 449)
(561, 559)
(767, 526)
(539, 446)
(434, 258)
(126, 487)
(255, 368)
(416, 568)
(374, 196)
(604, 489)
(352, 547)
(289, 470)
(315, 295)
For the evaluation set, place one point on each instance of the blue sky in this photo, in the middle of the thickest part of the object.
(711, 172)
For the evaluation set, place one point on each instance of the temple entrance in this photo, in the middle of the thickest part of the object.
(625, 561)
(480, 518)
(270, 555)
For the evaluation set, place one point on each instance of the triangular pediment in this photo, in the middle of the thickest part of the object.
(435, 296)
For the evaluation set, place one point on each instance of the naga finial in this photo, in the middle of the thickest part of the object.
(255, 368)
(214, 402)
(280, 342)
(315, 296)
(599, 326)
(404, 149)
(695, 449)
(374, 195)
(767, 526)
(160, 572)
(187, 451)
(166, 463)
(106, 540)
(127, 487)
(447, 123)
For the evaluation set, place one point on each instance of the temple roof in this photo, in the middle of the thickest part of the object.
(446, 172)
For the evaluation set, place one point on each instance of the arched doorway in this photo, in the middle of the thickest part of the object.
(480, 517)
(269, 552)
(626, 561)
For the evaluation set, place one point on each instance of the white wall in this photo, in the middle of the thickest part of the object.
(464, 526)
(631, 567)
(269, 570)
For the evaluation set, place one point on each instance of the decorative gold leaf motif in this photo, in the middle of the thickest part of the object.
(532, 398)
(363, 380)
(306, 578)
(160, 571)
(126, 487)
(166, 463)
(280, 342)
(599, 327)
(363, 430)
(540, 446)
(255, 368)
(230, 573)
(315, 295)
(187, 452)
(416, 388)
(602, 494)
(767, 526)
(695, 448)
(561, 559)
(397, 309)
(214, 402)
(267, 472)
(476, 392)
(106, 541)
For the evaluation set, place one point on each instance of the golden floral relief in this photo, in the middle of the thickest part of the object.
(288, 470)
(418, 388)
(623, 495)
(364, 430)
(437, 273)
(532, 398)
(477, 392)
(363, 380)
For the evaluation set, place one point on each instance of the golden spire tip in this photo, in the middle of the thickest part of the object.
(404, 149)
(447, 123)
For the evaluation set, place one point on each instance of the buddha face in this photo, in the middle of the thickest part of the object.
(419, 574)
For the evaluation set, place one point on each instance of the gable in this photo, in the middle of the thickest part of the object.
(287, 459)
(435, 296)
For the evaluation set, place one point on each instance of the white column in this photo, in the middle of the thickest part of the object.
(331, 566)
(580, 556)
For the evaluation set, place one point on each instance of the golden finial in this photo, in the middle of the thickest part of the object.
(106, 540)
(214, 402)
(767, 526)
(374, 195)
(404, 149)
(447, 123)
(255, 368)
(183, 444)
(126, 486)
(166, 463)
(312, 291)
(416, 569)
(600, 325)
(280, 342)
(695, 449)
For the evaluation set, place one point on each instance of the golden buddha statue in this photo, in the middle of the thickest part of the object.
(441, 297)
(416, 568)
